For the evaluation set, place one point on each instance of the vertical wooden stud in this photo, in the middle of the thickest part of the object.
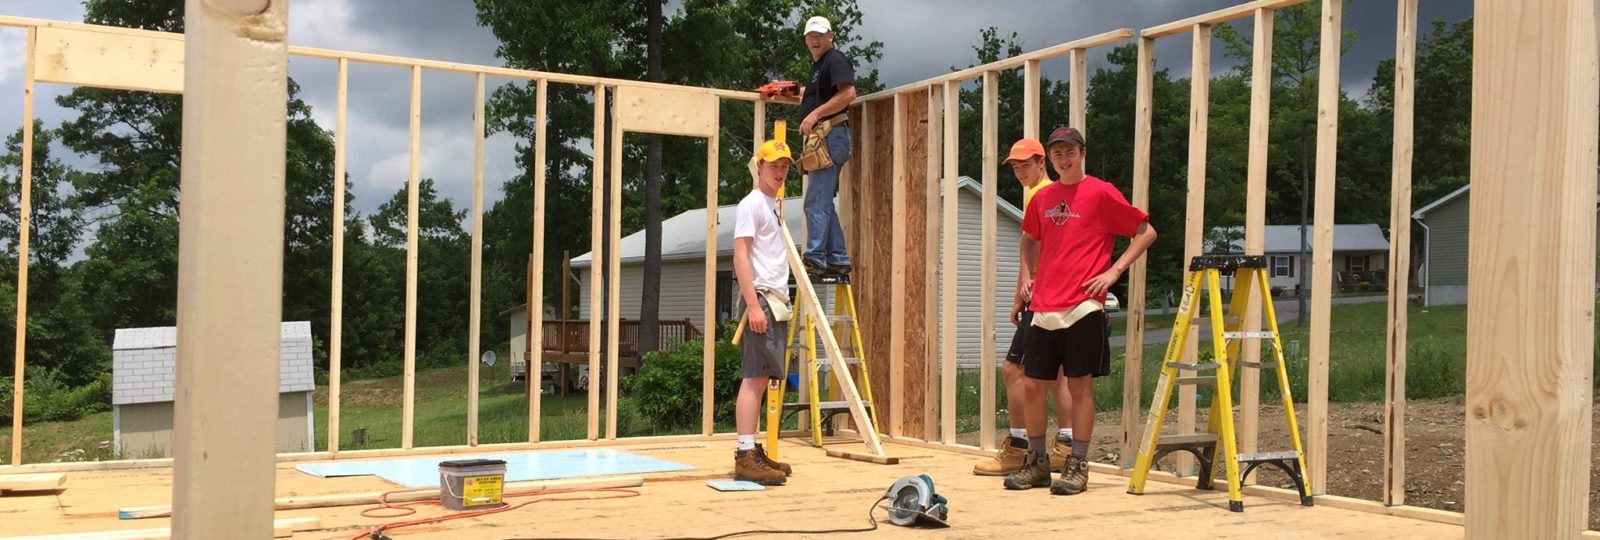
(1030, 99)
(596, 239)
(950, 268)
(1133, 347)
(897, 285)
(1530, 322)
(408, 408)
(614, 285)
(336, 311)
(1078, 87)
(474, 316)
(534, 360)
(1194, 216)
(1394, 411)
(24, 227)
(991, 186)
(930, 267)
(1322, 248)
(709, 344)
(1255, 223)
(230, 268)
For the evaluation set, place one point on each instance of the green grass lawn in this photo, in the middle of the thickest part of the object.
(1436, 367)
(440, 418)
(1119, 322)
(1435, 363)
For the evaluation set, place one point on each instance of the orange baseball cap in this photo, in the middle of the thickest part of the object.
(1023, 150)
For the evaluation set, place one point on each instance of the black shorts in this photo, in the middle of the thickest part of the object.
(1019, 341)
(1083, 349)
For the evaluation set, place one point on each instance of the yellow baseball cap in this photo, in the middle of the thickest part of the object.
(773, 150)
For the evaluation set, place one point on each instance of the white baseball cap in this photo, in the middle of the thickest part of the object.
(818, 24)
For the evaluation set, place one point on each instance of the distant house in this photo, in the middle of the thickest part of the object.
(1443, 272)
(1360, 252)
(144, 366)
(683, 273)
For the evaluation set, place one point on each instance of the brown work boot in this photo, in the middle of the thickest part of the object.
(1035, 472)
(1074, 478)
(1006, 460)
(1059, 451)
(748, 466)
(779, 465)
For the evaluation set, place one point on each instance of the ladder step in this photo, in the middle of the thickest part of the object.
(835, 319)
(823, 406)
(1197, 380)
(1268, 456)
(1248, 335)
(1194, 367)
(1258, 365)
(823, 363)
(1173, 442)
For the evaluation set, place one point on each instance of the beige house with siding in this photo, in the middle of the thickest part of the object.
(683, 294)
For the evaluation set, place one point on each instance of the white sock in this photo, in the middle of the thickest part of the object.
(1020, 433)
(1064, 433)
(747, 442)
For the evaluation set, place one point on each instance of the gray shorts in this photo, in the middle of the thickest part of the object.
(761, 355)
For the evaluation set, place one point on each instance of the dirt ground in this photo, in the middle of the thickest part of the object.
(1435, 451)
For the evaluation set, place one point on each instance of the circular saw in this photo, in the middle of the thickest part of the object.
(912, 502)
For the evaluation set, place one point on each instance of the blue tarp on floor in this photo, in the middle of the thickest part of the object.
(520, 466)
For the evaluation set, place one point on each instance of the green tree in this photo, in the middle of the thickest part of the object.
(132, 197)
(443, 275)
(1442, 114)
(739, 44)
(59, 336)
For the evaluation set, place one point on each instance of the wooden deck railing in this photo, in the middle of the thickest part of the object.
(568, 341)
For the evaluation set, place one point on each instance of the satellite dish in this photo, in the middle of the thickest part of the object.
(488, 358)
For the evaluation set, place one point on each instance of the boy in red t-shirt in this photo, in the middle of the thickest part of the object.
(1068, 234)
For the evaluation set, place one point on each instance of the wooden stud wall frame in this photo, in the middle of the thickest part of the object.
(909, 134)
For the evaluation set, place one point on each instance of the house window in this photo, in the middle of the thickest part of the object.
(1356, 264)
(1283, 267)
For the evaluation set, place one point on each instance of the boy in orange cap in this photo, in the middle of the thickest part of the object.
(1028, 164)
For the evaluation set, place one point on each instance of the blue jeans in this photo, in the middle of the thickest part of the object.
(824, 236)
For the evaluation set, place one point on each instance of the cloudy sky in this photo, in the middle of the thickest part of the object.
(922, 38)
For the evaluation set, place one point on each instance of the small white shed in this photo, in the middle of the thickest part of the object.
(144, 369)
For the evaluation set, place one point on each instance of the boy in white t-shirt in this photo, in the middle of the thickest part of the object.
(762, 267)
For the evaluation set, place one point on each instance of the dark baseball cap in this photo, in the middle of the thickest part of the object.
(1067, 134)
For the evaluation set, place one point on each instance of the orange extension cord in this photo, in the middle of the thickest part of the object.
(407, 509)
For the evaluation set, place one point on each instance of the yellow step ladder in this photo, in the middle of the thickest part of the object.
(1226, 342)
(803, 348)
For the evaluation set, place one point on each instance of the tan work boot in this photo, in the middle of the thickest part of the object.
(748, 466)
(1006, 460)
(1035, 472)
(779, 465)
(1059, 452)
(1074, 478)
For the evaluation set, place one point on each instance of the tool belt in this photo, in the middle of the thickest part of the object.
(815, 155)
(779, 306)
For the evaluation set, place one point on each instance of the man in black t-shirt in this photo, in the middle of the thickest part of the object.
(825, 98)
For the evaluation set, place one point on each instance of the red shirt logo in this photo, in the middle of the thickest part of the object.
(1060, 214)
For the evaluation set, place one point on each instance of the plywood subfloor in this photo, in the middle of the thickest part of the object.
(824, 493)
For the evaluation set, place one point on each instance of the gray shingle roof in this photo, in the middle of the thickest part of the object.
(1286, 238)
(684, 236)
(144, 363)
